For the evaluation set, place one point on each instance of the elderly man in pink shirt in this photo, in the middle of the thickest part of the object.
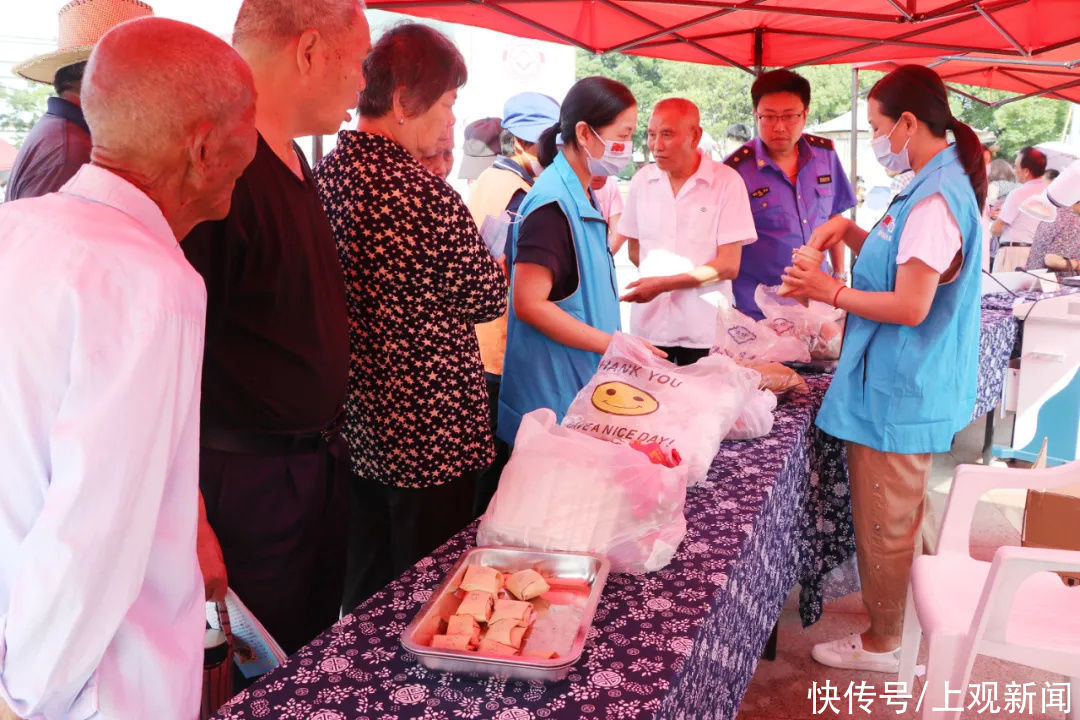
(686, 220)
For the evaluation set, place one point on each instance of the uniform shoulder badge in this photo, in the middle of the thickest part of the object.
(743, 153)
(818, 141)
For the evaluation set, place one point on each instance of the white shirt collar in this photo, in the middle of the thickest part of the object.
(704, 173)
(98, 185)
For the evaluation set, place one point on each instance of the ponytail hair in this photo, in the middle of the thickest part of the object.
(596, 101)
(919, 91)
(969, 148)
(546, 147)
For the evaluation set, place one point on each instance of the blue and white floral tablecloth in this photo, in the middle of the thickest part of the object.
(999, 337)
(679, 643)
(996, 341)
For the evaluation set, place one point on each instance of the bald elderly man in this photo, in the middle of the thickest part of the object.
(101, 598)
(686, 220)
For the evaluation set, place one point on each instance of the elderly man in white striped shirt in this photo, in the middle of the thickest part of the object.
(102, 320)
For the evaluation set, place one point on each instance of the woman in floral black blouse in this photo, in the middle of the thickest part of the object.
(419, 278)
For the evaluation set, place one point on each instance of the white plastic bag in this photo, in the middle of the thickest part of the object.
(819, 325)
(637, 397)
(745, 340)
(756, 418)
(565, 490)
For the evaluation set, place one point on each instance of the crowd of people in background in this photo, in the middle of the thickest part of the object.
(303, 380)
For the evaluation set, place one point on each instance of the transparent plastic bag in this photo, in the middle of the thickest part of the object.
(636, 396)
(741, 338)
(565, 490)
(756, 418)
(819, 325)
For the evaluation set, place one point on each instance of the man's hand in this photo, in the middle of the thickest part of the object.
(211, 559)
(7, 713)
(646, 289)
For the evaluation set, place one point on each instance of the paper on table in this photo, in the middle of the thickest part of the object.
(255, 651)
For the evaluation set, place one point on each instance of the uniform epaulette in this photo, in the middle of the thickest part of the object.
(818, 141)
(744, 153)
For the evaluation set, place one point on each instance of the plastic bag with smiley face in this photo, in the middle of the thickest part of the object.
(638, 397)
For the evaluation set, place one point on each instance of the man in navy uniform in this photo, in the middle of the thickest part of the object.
(795, 183)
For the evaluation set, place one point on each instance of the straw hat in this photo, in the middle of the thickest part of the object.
(82, 23)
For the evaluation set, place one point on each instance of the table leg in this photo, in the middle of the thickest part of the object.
(988, 438)
(769, 653)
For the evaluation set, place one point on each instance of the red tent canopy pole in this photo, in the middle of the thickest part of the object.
(894, 40)
(1029, 62)
(1001, 31)
(677, 37)
(900, 9)
(663, 32)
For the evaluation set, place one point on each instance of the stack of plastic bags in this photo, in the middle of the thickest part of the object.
(790, 332)
(565, 490)
(612, 479)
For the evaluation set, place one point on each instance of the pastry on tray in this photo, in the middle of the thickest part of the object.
(494, 647)
(521, 612)
(526, 584)
(482, 578)
(464, 625)
(476, 604)
(507, 632)
(452, 642)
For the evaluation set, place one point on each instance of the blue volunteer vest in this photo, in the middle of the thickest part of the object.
(910, 389)
(537, 371)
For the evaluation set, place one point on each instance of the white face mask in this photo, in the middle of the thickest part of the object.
(617, 155)
(895, 161)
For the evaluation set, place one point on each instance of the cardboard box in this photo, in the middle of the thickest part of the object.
(1052, 520)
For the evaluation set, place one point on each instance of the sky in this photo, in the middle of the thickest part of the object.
(498, 64)
(30, 28)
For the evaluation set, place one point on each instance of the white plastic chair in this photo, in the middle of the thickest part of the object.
(1011, 608)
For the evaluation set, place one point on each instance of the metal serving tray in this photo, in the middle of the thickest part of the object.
(565, 614)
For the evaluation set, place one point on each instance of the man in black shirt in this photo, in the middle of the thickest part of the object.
(277, 350)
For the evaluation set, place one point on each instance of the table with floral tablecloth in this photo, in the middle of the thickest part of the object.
(996, 341)
(679, 643)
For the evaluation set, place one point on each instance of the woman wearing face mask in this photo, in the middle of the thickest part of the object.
(564, 302)
(906, 379)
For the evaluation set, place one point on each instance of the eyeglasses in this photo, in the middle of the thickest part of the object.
(787, 118)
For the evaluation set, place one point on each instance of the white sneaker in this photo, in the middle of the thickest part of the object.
(848, 654)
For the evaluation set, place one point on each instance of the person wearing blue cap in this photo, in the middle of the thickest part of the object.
(501, 188)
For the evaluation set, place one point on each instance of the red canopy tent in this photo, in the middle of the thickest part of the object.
(754, 34)
(1055, 74)
(770, 33)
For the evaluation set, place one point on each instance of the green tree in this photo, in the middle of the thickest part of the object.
(1017, 124)
(20, 108)
(721, 93)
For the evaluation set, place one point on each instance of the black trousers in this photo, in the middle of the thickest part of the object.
(393, 527)
(488, 480)
(281, 521)
(684, 355)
